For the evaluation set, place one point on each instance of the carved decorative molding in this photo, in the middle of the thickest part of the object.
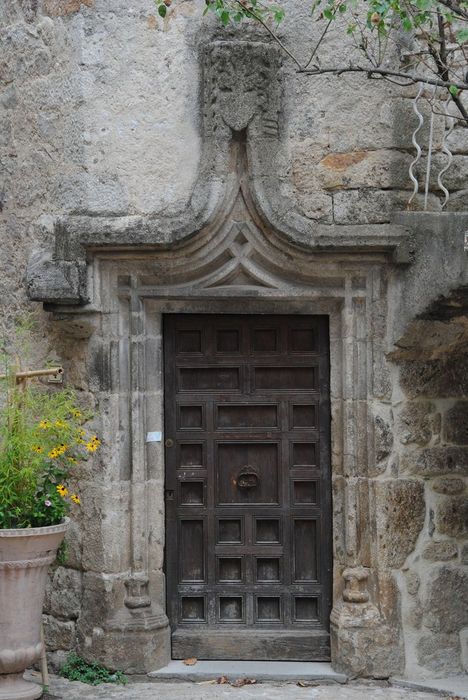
(242, 111)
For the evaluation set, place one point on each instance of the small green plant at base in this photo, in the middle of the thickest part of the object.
(77, 669)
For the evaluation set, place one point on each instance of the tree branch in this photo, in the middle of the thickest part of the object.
(371, 71)
(454, 7)
(258, 19)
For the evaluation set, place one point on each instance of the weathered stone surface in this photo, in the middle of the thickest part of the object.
(464, 649)
(59, 8)
(451, 516)
(456, 424)
(433, 461)
(446, 604)
(59, 634)
(464, 554)
(384, 169)
(458, 141)
(413, 582)
(446, 378)
(73, 690)
(365, 206)
(415, 422)
(440, 551)
(383, 438)
(400, 510)
(65, 593)
(362, 644)
(448, 486)
(440, 652)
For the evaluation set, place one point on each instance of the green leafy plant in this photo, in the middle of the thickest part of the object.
(77, 669)
(42, 437)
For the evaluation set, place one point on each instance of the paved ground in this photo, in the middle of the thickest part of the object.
(61, 689)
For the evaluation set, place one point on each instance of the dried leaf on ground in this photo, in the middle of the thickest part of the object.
(240, 682)
(190, 662)
(222, 680)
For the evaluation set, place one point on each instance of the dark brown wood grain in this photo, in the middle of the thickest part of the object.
(248, 496)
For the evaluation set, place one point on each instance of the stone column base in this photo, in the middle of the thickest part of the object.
(132, 642)
(362, 644)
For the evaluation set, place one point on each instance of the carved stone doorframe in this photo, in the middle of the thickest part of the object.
(239, 268)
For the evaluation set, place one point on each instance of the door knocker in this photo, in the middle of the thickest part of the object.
(248, 478)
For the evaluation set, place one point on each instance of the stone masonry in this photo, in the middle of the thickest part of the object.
(152, 167)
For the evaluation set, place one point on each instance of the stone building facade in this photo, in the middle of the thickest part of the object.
(154, 168)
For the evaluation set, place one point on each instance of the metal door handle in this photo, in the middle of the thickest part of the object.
(248, 478)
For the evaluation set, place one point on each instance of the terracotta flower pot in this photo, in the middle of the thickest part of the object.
(25, 556)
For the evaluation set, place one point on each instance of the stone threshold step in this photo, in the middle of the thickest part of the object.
(259, 670)
(453, 686)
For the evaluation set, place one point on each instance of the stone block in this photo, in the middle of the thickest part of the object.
(400, 510)
(440, 551)
(446, 603)
(383, 169)
(464, 554)
(65, 594)
(56, 659)
(456, 424)
(413, 582)
(371, 206)
(443, 378)
(383, 438)
(433, 461)
(457, 175)
(458, 141)
(54, 281)
(451, 516)
(362, 644)
(464, 649)
(59, 634)
(439, 652)
(415, 423)
(316, 206)
(448, 486)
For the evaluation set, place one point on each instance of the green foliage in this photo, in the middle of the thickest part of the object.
(76, 669)
(42, 438)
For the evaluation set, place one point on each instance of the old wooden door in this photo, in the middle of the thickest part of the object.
(248, 539)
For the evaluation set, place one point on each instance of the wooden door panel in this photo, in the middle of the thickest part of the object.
(253, 464)
(248, 551)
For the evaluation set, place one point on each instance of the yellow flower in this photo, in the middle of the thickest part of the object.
(91, 446)
(75, 498)
(76, 414)
(62, 490)
(53, 453)
(72, 460)
(82, 433)
(44, 424)
(60, 424)
(37, 448)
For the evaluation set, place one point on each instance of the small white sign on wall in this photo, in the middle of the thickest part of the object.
(155, 436)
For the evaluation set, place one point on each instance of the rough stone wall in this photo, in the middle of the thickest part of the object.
(431, 452)
(100, 115)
